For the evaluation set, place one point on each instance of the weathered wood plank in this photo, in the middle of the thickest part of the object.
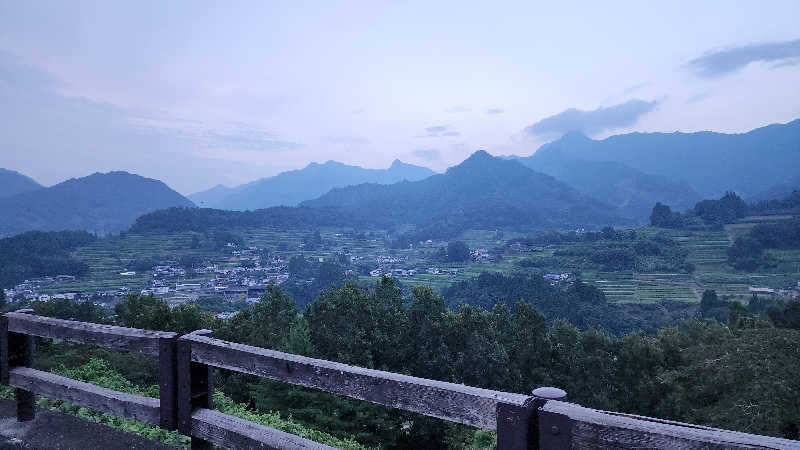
(448, 401)
(144, 409)
(593, 429)
(168, 383)
(128, 339)
(232, 432)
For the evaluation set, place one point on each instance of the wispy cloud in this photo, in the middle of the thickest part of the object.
(428, 154)
(440, 131)
(726, 61)
(699, 97)
(591, 122)
(346, 140)
(493, 111)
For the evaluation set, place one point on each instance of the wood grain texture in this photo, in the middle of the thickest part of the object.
(593, 429)
(128, 339)
(144, 409)
(448, 401)
(232, 432)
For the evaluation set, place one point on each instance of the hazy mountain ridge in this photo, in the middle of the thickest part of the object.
(13, 183)
(293, 187)
(482, 192)
(615, 183)
(709, 162)
(101, 202)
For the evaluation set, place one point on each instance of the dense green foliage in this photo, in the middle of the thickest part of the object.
(37, 254)
(608, 250)
(747, 251)
(700, 372)
(581, 304)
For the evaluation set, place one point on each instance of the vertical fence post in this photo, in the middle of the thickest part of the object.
(195, 389)
(17, 350)
(513, 426)
(550, 431)
(168, 382)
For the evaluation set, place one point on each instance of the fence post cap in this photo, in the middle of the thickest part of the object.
(550, 393)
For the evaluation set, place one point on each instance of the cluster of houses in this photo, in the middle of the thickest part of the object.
(790, 293)
(558, 278)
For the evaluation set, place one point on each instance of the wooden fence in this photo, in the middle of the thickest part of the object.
(187, 363)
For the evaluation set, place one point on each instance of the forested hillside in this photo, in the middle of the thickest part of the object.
(483, 192)
(101, 202)
(13, 183)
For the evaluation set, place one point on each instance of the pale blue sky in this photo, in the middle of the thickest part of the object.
(200, 93)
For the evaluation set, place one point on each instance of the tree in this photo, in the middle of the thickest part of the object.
(662, 216)
(266, 324)
(2, 299)
(457, 252)
(145, 312)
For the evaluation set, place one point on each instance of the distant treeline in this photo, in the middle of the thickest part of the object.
(716, 213)
(39, 253)
(609, 250)
(747, 251)
(205, 219)
(582, 304)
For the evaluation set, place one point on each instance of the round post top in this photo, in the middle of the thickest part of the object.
(550, 393)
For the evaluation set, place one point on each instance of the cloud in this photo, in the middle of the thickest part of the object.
(723, 62)
(440, 131)
(428, 154)
(346, 140)
(591, 122)
(457, 109)
(495, 111)
(699, 97)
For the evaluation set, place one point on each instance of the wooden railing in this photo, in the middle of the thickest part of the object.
(539, 421)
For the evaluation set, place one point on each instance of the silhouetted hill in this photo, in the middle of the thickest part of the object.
(13, 183)
(483, 192)
(101, 202)
(615, 183)
(711, 163)
(292, 187)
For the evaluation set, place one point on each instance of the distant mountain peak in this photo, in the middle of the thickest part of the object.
(479, 155)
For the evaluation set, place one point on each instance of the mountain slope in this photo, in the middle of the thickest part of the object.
(292, 187)
(101, 202)
(709, 162)
(615, 183)
(211, 196)
(482, 192)
(13, 183)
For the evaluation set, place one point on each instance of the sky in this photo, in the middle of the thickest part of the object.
(202, 93)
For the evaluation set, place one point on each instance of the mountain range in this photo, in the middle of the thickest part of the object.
(101, 202)
(706, 162)
(293, 187)
(483, 192)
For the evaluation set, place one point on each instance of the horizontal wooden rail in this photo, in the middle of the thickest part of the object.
(144, 409)
(448, 401)
(233, 432)
(128, 339)
(591, 429)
